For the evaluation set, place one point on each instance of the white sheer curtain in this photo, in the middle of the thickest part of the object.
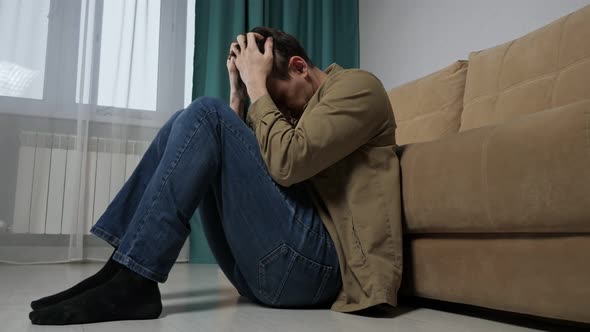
(84, 87)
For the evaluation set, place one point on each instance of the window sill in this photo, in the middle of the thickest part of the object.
(102, 114)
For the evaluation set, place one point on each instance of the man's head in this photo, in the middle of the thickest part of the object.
(294, 78)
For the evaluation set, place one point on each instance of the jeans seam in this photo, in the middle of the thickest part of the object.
(255, 159)
(108, 235)
(135, 265)
(327, 273)
(262, 274)
(171, 169)
(327, 241)
(291, 209)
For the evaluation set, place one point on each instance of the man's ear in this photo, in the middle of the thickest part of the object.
(298, 65)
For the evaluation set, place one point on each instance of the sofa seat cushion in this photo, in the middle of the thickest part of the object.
(531, 174)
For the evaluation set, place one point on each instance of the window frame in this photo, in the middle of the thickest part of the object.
(61, 65)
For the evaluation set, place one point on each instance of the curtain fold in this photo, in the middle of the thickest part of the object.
(327, 29)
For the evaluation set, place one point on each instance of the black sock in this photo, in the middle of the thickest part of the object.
(127, 296)
(104, 274)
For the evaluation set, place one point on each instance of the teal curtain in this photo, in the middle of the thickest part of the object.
(327, 29)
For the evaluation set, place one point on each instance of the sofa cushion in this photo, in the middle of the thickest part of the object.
(547, 68)
(430, 107)
(528, 175)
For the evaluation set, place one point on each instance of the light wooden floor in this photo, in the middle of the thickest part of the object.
(199, 298)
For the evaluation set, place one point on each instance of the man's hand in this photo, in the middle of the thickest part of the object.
(238, 93)
(254, 67)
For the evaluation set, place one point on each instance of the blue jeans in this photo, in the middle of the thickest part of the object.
(267, 239)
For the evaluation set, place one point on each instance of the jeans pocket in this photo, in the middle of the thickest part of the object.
(288, 279)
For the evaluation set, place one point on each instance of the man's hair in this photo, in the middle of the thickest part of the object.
(285, 46)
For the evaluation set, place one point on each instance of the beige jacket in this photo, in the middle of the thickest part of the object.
(343, 145)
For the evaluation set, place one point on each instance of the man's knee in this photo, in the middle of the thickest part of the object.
(207, 103)
(199, 107)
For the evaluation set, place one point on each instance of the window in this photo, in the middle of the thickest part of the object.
(23, 36)
(132, 56)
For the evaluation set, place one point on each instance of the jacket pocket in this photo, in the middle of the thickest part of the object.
(286, 278)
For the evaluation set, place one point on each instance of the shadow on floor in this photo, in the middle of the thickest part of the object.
(226, 301)
(383, 311)
(198, 292)
(527, 321)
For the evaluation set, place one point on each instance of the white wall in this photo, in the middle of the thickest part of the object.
(401, 40)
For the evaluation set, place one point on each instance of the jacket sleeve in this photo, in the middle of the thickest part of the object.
(350, 112)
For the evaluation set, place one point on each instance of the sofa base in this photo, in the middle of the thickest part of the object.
(541, 275)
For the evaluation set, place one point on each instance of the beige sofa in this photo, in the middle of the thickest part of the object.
(495, 166)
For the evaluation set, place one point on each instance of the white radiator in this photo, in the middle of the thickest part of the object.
(46, 183)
